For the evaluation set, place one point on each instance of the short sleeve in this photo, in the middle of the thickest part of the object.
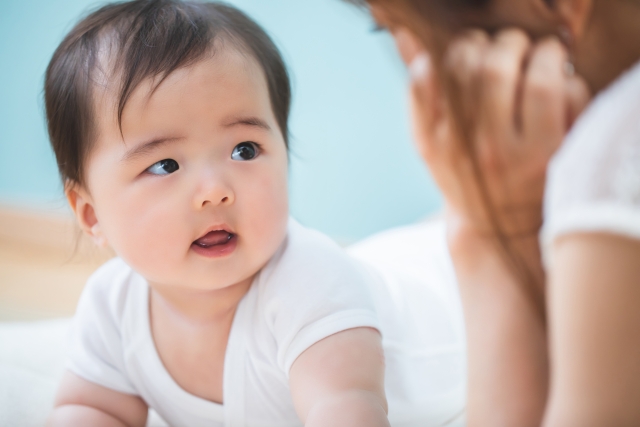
(95, 347)
(312, 290)
(593, 184)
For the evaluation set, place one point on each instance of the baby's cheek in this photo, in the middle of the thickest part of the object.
(270, 212)
(150, 239)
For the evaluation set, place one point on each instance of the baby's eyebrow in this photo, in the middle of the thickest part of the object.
(247, 121)
(147, 147)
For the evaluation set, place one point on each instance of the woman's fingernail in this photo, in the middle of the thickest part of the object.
(420, 66)
(568, 68)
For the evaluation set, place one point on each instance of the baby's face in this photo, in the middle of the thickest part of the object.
(196, 195)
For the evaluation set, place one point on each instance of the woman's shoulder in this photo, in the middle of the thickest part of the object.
(607, 129)
(594, 179)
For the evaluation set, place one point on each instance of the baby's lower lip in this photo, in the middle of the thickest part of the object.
(218, 250)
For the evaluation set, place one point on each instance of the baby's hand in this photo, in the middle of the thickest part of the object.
(82, 403)
(509, 104)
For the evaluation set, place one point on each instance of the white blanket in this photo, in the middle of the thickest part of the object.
(31, 365)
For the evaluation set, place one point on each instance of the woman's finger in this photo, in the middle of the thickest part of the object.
(462, 66)
(501, 82)
(544, 103)
(578, 96)
(426, 111)
(408, 45)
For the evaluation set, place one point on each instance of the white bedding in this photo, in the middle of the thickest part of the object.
(31, 364)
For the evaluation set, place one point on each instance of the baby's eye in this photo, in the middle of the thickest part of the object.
(163, 167)
(245, 151)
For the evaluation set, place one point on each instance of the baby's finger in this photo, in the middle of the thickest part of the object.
(578, 97)
(544, 105)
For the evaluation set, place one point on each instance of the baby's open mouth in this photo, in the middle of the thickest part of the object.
(215, 244)
(214, 238)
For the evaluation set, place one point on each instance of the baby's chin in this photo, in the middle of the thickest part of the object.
(197, 280)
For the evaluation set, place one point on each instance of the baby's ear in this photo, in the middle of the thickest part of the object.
(82, 206)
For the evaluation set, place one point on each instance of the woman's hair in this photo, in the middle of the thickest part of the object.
(436, 21)
(129, 42)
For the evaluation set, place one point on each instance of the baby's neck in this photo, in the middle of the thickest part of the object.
(189, 327)
(199, 307)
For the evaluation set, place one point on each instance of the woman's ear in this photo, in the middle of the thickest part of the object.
(82, 206)
(575, 15)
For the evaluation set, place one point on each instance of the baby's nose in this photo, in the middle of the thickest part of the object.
(214, 192)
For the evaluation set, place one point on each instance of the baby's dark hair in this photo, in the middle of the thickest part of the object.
(144, 39)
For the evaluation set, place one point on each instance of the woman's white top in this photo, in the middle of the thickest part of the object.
(309, 290)
(593, 182)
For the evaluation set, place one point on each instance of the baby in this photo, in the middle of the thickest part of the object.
(169, 124)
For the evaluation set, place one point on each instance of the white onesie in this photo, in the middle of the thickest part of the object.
(309, 290)
(594, 180)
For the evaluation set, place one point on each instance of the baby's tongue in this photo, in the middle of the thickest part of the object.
(213, 238)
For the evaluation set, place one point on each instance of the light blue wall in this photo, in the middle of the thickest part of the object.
(354, 170)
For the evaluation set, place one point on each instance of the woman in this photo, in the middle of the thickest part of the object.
(553, 343)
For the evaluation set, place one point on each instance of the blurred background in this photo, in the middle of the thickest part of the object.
(354, 170)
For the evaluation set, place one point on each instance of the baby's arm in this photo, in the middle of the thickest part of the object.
(82, 403)
(339, 381)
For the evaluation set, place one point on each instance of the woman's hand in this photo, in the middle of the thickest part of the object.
(508, 105)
